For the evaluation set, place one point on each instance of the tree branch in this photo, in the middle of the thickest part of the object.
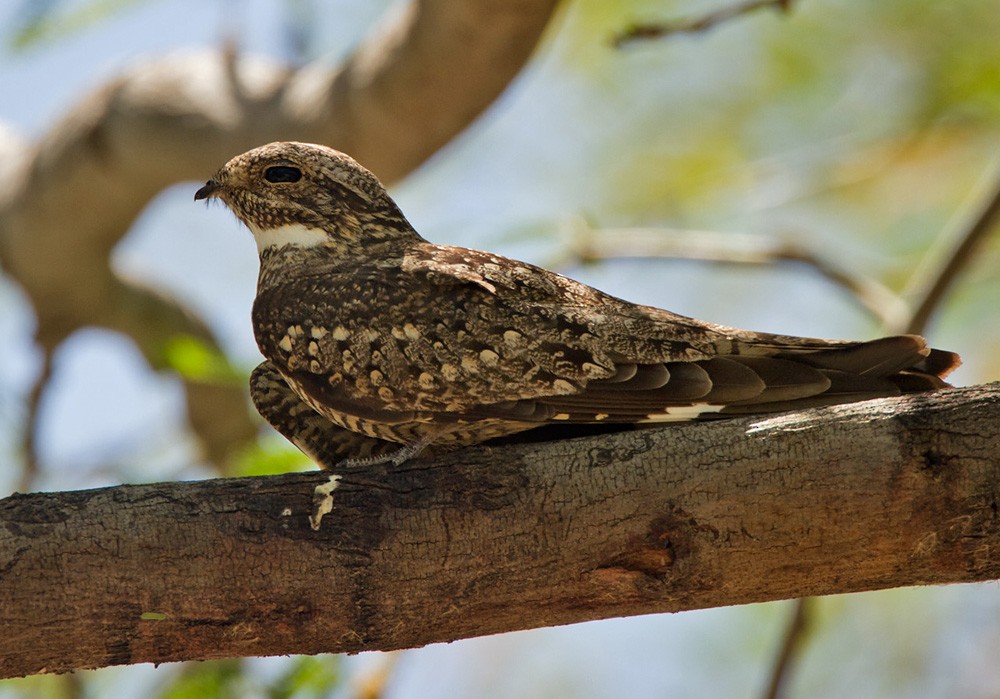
(586, 245)
(708, 21)
(941, 267)
(790, 648)
(885, 493)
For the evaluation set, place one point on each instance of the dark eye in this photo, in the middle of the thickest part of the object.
(282, 173)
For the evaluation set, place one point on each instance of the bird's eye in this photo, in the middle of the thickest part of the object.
(282, 173)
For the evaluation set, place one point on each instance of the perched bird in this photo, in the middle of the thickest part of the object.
(379, 343)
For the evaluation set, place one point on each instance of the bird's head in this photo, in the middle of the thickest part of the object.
(304, 195)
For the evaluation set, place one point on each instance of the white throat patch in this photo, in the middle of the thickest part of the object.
(290, 234)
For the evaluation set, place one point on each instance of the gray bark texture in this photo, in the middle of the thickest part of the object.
(879, 494)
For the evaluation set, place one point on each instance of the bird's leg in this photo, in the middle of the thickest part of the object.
(322, 441)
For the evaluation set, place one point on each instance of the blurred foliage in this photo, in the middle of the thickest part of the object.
(308, 676)
(40, 21)
(304, 677)
(45, 686)
(221, 679)
(268, 456)
(838, 92)
(194, 359)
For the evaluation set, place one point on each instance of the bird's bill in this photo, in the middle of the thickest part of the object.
(209, 190)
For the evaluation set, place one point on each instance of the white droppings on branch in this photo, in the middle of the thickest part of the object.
(323, 501)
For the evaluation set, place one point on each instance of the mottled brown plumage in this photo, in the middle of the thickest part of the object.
(375, 337)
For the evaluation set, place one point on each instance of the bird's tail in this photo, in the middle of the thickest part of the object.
(856, 371)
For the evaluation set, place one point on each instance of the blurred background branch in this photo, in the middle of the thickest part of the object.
(953, 252)
(587, 246)
(710, 20)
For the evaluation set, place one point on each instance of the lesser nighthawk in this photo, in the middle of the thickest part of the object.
(376, 338)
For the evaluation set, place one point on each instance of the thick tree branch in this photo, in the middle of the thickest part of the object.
(871, 495)
(413, 84)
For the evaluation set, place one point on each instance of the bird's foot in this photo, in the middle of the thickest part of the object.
(397, 457)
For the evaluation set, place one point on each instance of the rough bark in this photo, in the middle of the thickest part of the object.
(860, 497)
(417, 81)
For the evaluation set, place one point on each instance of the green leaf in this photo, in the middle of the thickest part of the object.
(270, 456)
(219, 678)
(197, 360)
(309, 676)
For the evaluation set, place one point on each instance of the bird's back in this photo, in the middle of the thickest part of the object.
(472, 342)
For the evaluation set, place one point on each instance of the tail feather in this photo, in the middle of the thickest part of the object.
(881, 357)
(938, 363)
